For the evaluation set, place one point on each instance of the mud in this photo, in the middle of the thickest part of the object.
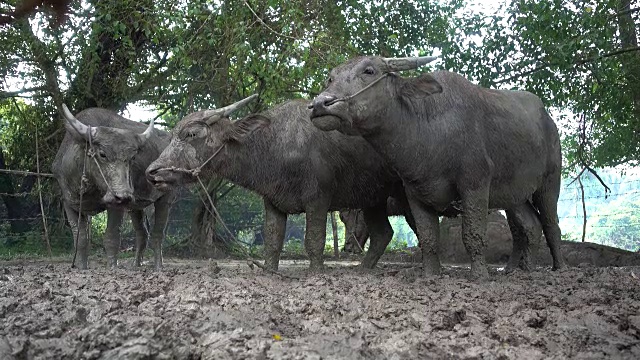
(573, 253)
(226, 310)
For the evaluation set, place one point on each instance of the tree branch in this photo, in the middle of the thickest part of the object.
(577, 61)
(624, 12)
(10, 94)
(47, 65)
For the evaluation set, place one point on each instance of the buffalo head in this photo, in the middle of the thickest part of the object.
(195, 139)
(114, 150)
(358, 92)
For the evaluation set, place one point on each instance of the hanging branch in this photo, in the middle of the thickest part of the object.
(581, 160)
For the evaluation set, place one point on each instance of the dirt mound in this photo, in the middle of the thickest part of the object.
(202, 310)
(574, 253)
(500, 242)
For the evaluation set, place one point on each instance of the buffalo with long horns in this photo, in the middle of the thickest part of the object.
(451, 140)
(100, 166)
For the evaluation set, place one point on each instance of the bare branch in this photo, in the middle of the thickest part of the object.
(577, 177)
(592, 171)
(10, 94)
(265, 24)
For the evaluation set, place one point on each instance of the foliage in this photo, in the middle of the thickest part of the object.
(611, 219)
(577, 55)
(397, 244)
(618, 224)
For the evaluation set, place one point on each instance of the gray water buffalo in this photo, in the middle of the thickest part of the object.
(450, 140)
(296, 168)
(115, 180)
(356, 232)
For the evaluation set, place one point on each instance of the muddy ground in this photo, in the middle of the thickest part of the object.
(197, 309)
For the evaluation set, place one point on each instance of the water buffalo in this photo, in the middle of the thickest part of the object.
(356, 232)
(294, 166)
(450, 140)
(115, 181)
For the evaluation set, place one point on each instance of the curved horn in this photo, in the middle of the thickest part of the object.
(147, 133)
(85, 131)
(407, 63)
(228, 110)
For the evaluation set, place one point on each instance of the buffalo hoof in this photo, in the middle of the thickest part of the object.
(368, 263)
(316, 266)
(479, 271)
(430, 271)
(363, 269)
(431, 265)
(157, 263)
(560, 266)
(271, 265)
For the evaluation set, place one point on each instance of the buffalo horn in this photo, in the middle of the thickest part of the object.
(407, 63)
(80, 128)
(147, 133)
(228, 110)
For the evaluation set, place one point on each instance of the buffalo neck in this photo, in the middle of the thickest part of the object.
(251, 164)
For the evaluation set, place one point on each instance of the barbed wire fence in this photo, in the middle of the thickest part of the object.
(32, 219)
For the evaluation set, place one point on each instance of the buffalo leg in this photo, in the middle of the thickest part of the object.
(275, 222)
(428, 233)
(411, 221)
(353, 229)
(525, 228)
(112, 236)
(403, 208)
(137, 220)
(545, 200)
(475, 203)
(316, 233)
(161, 208)
(78, 223)
(380, 232)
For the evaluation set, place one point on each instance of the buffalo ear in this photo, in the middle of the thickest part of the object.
(420, 87)
(244, 127)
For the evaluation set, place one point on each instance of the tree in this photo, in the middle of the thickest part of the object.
(577, 55)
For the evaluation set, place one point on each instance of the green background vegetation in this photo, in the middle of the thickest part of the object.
(175, 57)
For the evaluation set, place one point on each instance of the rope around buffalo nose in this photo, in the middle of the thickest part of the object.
(90, 152)
(195, 172)
(347, 98)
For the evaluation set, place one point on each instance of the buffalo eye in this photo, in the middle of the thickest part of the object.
(369, 71)
(102, 154)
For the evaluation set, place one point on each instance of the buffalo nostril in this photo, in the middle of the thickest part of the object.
(328, 100)
(122, 199)
(152, 171)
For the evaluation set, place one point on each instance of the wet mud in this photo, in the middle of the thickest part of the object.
(225, 310)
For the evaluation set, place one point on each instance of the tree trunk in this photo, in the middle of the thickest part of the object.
(204, 238)
(630, 60)
(334, 227)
